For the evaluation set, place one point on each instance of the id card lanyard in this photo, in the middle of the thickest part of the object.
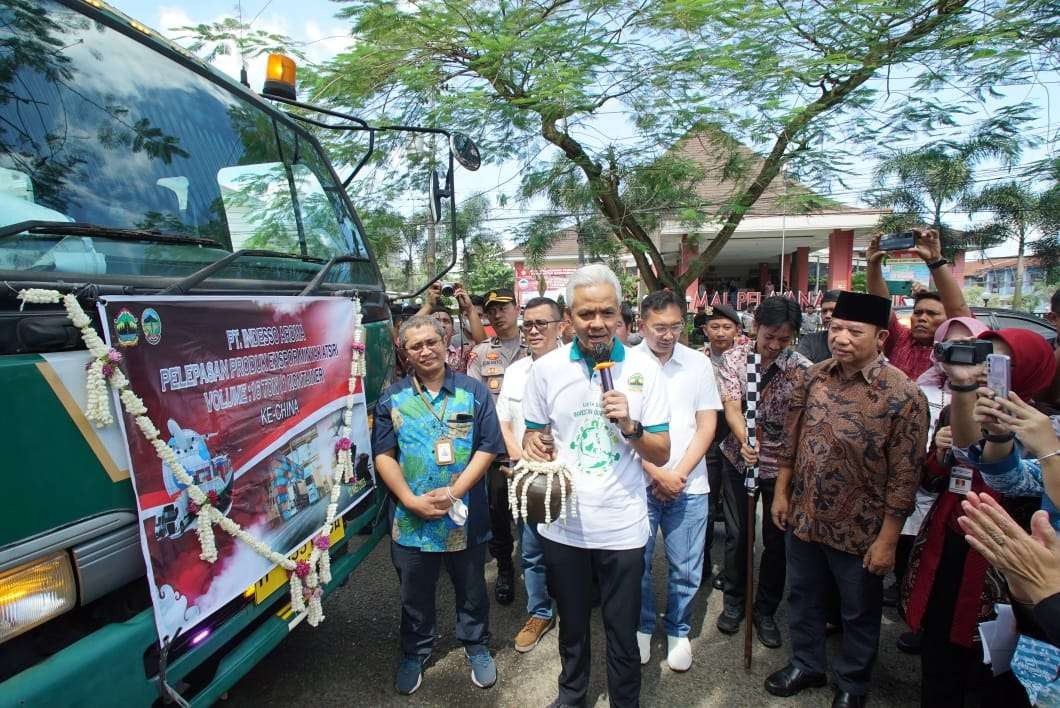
(443, 446)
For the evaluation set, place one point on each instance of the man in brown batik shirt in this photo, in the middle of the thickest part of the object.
(856, 437)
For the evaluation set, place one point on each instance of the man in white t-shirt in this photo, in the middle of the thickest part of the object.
(677, 491)
(602, 437)
(542, 320)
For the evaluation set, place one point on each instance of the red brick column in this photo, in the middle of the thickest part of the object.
(840, 258)
(801, 282)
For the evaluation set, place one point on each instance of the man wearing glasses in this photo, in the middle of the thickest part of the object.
(677, 491)
(488, 363)
(542, 319)
(435, 434)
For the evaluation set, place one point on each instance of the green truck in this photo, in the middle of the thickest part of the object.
(129, 166)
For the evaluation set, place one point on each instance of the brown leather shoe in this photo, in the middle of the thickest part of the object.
(532, 631)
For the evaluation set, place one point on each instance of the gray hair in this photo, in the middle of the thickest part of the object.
(417, 321)
(592, 274)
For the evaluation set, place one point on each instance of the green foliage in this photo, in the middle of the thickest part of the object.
(859, 282)
(213, 39)
(487, 274)
(531, 79)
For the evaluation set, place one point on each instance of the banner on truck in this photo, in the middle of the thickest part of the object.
(249, 392)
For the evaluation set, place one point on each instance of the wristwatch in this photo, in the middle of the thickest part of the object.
(937, 264)
(638, 431)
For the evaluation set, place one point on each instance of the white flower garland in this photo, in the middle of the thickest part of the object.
(523, 475)
(307, 576)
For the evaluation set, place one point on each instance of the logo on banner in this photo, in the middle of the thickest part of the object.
(151, 324)
(126, 328)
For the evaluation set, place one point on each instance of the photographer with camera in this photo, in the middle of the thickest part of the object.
(948, 587)
(456, 356)
(909, 348)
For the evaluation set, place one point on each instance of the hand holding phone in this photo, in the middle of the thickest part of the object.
(998, 375)
(901, 241)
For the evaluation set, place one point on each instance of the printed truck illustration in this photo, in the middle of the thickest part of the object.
(212, 473)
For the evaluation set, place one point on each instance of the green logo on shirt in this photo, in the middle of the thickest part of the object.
(594, 444)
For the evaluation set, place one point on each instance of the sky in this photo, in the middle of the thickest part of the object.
(313, 22)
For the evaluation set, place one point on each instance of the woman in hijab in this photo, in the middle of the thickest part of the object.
(949, 587)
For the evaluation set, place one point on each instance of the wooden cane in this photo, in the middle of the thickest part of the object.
(751, 486)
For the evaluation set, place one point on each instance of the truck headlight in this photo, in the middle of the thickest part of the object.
(35, 592)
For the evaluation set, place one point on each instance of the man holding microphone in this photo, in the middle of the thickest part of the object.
(598, 420)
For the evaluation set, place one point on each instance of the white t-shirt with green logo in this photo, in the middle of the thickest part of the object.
(608, 478)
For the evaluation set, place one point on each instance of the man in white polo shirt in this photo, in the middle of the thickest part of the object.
(677, 491)
(542, 320)
(602, 437)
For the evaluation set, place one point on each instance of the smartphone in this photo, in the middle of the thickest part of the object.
(998, 375)
(902, 241)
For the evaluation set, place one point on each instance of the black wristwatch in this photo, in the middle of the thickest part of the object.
(1003, 438)
(937, 264)
(638, 431)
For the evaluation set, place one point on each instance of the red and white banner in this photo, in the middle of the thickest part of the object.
(249, 392)
(528, 285)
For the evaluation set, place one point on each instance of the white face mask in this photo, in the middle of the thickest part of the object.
(458, 512)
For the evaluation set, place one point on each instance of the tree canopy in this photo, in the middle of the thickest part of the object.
(803, 83)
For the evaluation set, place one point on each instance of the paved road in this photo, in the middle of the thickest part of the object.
(350, 659)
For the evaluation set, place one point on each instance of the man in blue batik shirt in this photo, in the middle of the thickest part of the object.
(435, 434)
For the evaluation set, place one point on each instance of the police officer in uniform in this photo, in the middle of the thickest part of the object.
(487, 363)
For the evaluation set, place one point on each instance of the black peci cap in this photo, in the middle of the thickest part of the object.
(863, 307)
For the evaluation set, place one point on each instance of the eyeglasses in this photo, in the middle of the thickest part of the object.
(425, 344)
(660, 330)
(529, 325)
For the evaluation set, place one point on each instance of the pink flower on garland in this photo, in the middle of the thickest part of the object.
(114, 356)
(357, 346)
(302, 569)
(108, 370)
(193, 507)
(343, 444)
(213, 496)
(322, 542)
(316, 592)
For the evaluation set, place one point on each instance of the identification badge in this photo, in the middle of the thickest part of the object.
(494, 383)
(443, 451)
(960, 480)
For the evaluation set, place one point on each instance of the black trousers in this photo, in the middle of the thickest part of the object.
(811, 566)
(418, 575)
(772, 569)
(502, 542)
(947, 670)
(570, 581)
(714, 499)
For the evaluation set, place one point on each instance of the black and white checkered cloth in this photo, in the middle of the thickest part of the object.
(750, 481)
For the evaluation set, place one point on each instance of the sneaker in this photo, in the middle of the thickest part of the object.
(767, 631)
(678, 653)
(504, 590)
(644, 644)
(532, 631)
(729, 620)
(410, 674)
(483, 670)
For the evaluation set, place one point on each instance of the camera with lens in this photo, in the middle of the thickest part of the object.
(957, 352)
(448, 289)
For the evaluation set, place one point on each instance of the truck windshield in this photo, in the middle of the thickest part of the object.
(99, 128)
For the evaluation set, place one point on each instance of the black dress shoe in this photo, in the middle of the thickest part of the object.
(791, 680)
(910, 642)
(504, 590)
(767, 630)
(729, 620)
(719, 582)
(843, 699)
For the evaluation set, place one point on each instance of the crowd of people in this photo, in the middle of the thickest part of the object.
(874, 451)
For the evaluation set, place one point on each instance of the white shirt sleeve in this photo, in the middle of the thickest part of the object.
(707, 398)
(535, 407)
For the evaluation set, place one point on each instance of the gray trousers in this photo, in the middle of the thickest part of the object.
(811, 569)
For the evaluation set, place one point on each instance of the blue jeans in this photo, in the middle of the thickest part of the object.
(684, 525)
(538, 601)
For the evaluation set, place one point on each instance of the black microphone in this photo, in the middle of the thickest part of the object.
(602, 356)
